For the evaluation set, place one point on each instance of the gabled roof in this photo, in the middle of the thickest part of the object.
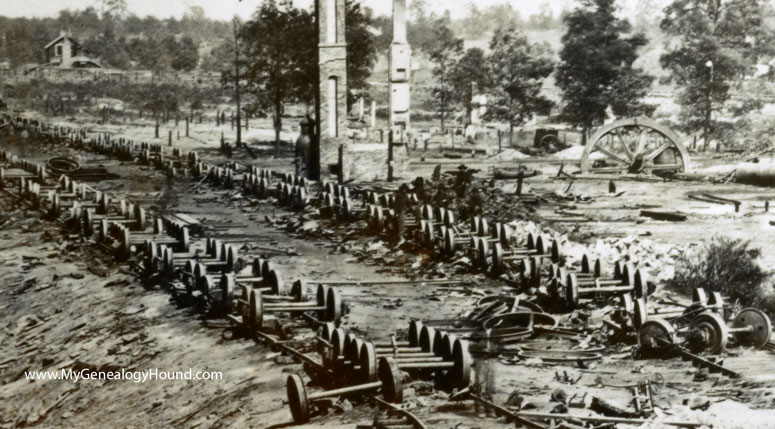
(61, 36)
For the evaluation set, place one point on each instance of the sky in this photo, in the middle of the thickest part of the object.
(225, 9)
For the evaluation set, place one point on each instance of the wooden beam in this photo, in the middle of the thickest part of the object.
(668, 216)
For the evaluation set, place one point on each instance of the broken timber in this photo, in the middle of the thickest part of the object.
(416, 423)
(668, 216)
(704, 363)
(500, 174)
(708, 198)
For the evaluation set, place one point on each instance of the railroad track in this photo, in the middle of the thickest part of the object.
(120, 227)
(533, 258)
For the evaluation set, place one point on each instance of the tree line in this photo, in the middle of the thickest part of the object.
(273, 57)
(118, 39)
(712, 47)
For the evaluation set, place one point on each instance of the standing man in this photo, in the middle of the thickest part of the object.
(400, 206)
(419, 190)
(475, 202)
(304, 145)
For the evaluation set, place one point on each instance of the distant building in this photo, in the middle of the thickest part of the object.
(66, 52)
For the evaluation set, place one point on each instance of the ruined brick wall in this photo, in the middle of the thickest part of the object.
(400, 70)
(332, 51)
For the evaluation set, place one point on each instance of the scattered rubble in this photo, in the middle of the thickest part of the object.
(585, 339)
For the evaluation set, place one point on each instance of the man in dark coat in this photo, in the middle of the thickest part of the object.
(400, 206)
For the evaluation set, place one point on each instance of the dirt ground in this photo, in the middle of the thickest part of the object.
(67, 304)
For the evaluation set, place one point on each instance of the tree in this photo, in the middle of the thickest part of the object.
(544, 19)
(111, 51)
(151, 52)
(647, 12)
(164, 98)
(219, 57)
(418, 10)
(384, 25)
(24, 39)
(230, 58)
(194, 19)
(518, 71)
(238, 63)
(715, 44)
(185, 55)
(596, 66)
(471, 69)
(113, 8)
(361, 48)
(443, 52)
(281, 68)
(479, 22)
(420, 31)
(424, 30)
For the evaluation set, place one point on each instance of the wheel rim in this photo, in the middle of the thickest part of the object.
(368, 362)
(762, 327)
(634, 145)
(392, 383)
(651, 332)
(462, 368)
(415, 326)
(715, 333)
(334, 306)
(297, 399)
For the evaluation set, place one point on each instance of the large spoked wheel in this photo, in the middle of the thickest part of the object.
(634, 145)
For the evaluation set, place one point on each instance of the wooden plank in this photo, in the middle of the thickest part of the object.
(722, 199)
(15, 173)
(461, 150)
(186, 218)
(503, 174)
(667, 216)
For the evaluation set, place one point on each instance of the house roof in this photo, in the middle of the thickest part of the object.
(61, 36)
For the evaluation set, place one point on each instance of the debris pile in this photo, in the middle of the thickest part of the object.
(558, 303)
